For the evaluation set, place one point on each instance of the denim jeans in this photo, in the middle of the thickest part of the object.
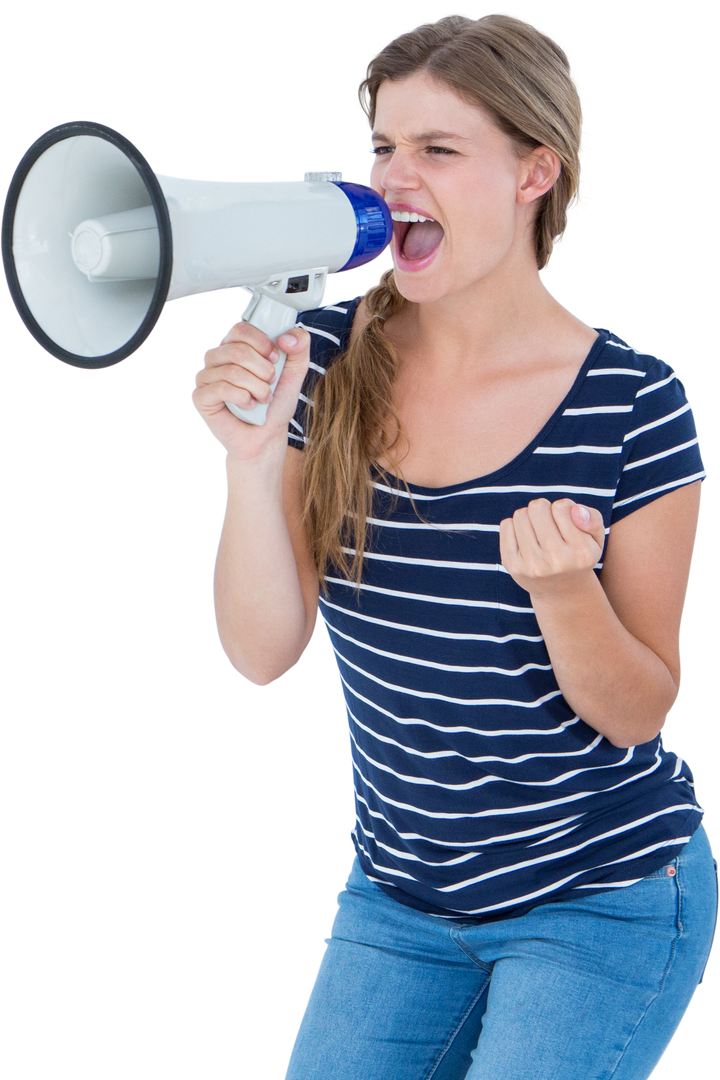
(583, 989)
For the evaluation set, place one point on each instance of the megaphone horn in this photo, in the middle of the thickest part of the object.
(94, 243)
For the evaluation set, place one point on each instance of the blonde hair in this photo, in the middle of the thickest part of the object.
(521, 78)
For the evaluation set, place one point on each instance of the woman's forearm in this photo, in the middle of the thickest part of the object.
(261, 614)
(614, 682)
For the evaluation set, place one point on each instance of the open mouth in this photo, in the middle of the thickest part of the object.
(416, 238)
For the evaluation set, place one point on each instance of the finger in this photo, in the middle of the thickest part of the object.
(590, 521)
(573, 518)
(246, 334)
(239, 352)
(508, 541)
(229, 361)
(561, 511)
(213, 396)
(295, 342)
(544, 526)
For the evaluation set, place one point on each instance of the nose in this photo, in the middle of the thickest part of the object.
(397, 172)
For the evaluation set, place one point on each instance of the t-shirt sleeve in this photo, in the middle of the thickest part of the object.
(296, 432)
(329, 329)
(298, 426)
(660, 449)
(297, 435)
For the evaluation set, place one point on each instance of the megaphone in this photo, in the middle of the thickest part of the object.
(94, 243)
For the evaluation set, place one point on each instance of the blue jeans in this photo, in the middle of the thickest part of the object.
(579, 990)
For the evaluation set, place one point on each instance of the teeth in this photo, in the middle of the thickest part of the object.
(404, 215)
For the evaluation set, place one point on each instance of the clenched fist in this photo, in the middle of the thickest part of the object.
(241, 370)
(544, 546)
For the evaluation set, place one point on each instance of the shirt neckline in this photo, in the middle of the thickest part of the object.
(597, 346)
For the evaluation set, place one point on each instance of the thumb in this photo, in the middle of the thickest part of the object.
(296, 343)
(590, 521)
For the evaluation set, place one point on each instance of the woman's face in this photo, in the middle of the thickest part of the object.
(439, 157)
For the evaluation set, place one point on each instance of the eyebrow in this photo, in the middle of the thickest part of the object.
(424, 136)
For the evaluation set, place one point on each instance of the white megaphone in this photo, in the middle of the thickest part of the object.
(94, 243)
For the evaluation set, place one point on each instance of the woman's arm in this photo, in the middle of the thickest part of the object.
(613, 646)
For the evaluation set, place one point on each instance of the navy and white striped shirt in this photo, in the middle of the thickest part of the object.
(479, 792)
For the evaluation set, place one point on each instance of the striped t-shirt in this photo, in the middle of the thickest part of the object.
(479, 792)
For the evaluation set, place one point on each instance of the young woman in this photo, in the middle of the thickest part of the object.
(494, 505)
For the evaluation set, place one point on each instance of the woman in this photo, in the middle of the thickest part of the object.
(495, 506)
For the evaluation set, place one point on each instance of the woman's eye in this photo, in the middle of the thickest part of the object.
(380, 150)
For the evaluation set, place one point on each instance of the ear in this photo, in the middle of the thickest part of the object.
(541, 170)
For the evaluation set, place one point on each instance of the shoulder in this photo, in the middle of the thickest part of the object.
(334, 321)
(649, 374)
(361, 318)
(330, 329)
(659, 450)
(649, 389)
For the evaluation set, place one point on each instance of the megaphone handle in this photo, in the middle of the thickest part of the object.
(273, 318)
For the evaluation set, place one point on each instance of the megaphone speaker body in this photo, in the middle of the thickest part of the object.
(94, 243)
